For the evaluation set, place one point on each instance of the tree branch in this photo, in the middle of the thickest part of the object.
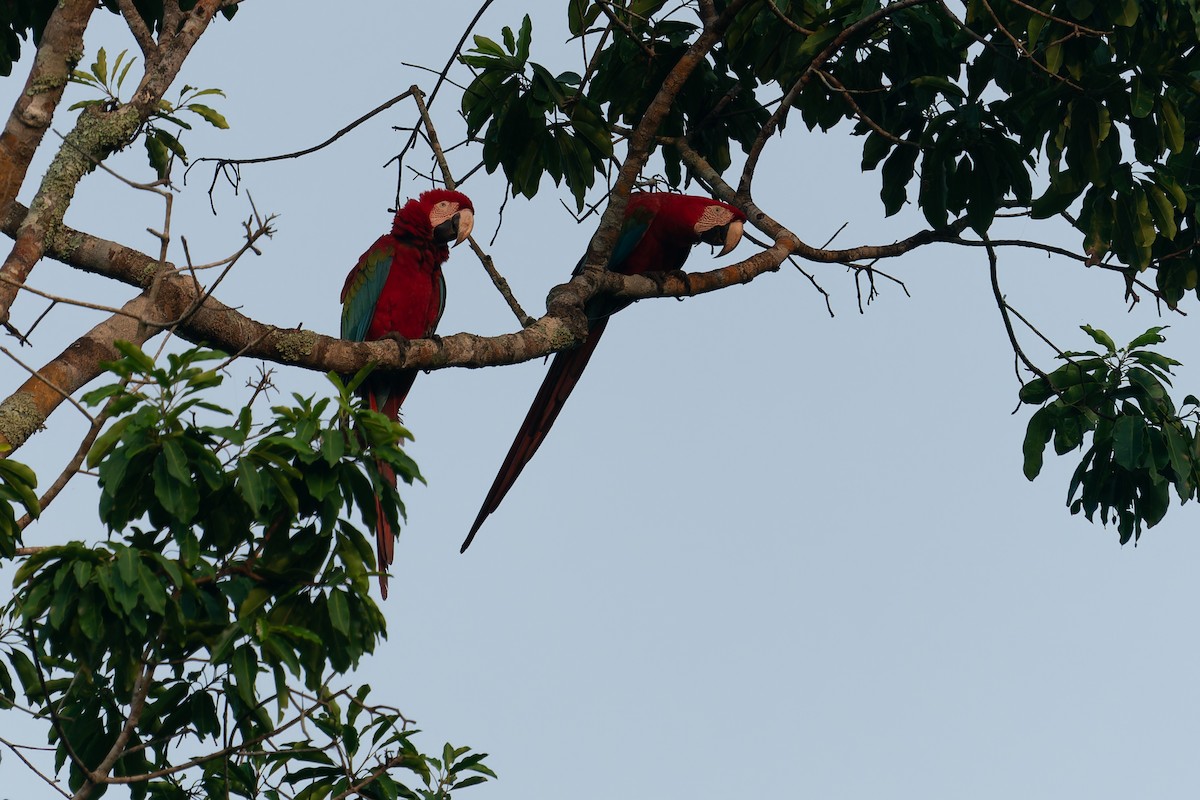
(57, 54)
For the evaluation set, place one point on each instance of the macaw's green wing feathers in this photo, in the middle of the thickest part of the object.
(561, 378)
(637, 222)
(362, 290)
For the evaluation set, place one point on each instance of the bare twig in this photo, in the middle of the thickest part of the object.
(1002, 304)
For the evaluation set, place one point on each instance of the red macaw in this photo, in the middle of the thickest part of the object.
(658, 234)
(396, 291)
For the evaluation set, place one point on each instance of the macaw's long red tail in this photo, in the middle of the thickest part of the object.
(564, 373)
(385, 536)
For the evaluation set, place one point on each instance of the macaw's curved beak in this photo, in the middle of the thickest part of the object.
(725, 236)
(456, 229)
(733, 235)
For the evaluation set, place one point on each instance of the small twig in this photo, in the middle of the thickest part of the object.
(813, 280)
(24, 287)
(72, 467)
(1002, 304)
(625, 28)
(455, 84)
(833, 84)
(36, 322)
(786, 20)
(49, 780)
(1020, 48)
(489, 265)
(34, 373)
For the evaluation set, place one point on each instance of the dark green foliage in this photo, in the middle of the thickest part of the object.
(957, 113)
(17, 483)
(539, 124)
(232, 589)
(536, 122)
(1141, 445)
(19, 19)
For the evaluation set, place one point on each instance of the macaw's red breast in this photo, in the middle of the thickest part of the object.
(411, 300)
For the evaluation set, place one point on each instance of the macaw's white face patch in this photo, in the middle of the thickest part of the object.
(446, 211)
(713, 217)
(719, 227)
(442, 212)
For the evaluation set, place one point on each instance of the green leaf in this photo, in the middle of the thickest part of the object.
(1037, 435)
(1036, 392)
(1151, 336)
(1162, 211)
(1141, 97)
(339, 612)
(124, 72)
(156, 152)
(1100, 337)
(245, 672)
(1129, 441)
(208, 114)
(575, 11)
(1171, 124)
(943, 85)
(486, 45)
(524, 37)
(100, 67)
(1128, 15)
(1179, 452)
(172, 144)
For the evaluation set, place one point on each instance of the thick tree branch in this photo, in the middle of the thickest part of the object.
(24, 412)
(60, 50)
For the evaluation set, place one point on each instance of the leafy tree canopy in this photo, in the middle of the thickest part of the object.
(232, 592)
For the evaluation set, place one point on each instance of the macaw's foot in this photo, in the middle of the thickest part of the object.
(397, 338)
(687, 281)
(433, 337)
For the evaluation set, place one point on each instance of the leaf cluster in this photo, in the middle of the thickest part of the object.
(1141, 444)
(537, 123)
(232, 565)
(161, 144)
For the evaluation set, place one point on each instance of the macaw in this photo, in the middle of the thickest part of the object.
(396, 291)
(659, 232)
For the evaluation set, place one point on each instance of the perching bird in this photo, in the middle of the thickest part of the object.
(658, 234)
(396, 291)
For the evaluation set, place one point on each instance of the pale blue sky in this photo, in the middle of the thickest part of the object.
(764, 552)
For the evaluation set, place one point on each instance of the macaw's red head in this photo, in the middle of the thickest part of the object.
(440, 214)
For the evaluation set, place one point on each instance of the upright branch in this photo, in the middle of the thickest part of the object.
(98, 133)
(60, 50)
